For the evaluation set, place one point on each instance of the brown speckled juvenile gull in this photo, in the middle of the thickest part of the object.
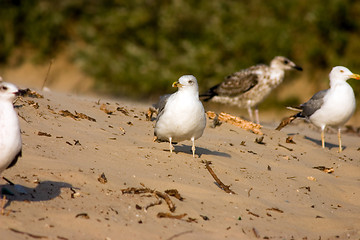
(249, 87)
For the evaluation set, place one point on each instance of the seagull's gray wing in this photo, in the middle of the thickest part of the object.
(161, 104)
(237, 83)
(315, 103)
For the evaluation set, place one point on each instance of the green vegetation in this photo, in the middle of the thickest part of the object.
(138, 48)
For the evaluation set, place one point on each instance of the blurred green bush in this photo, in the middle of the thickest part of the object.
(138, 48)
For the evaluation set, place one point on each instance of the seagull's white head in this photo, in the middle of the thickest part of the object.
(186, 82)
(284, 63)
(8, 91)
(341, 73)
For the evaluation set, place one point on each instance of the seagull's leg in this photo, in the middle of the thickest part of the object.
(257, 115)
(3, 202)
(193, 146)
(339, 137)
(171, 146)
(322, 137)
(250, 113)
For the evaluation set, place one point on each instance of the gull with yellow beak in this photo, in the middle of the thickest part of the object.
(10, 136)
(181, 115)
(330, 107)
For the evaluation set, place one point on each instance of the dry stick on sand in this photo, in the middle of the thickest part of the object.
(26, 233)
(156, 193)
(169, 215)
(236, 121)
(179, 234)
(159, 202)
(167, 200)
(174, 193)
(285, 122)
(221, 184)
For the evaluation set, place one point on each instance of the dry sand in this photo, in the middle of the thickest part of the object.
(278, 193)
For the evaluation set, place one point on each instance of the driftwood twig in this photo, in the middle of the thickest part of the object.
(28, 234)
(236, 121)
(285, 122)
(218, 181)
(164, 196)
(169, 215)
(167, 200)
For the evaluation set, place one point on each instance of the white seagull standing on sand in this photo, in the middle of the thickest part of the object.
(330, 107)
(10, 136)
(181, 115)
(249, 87)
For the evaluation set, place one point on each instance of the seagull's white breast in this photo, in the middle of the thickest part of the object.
(10, 136)
(338, 107)
(183, 117)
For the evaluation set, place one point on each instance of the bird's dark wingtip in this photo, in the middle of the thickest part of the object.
(205, 97)
(209, 94)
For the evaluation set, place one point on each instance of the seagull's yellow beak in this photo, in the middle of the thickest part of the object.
(176, 84)
(355, 76)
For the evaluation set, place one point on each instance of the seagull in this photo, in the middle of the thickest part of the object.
(181, 115)
(330, 107)
(249, 87)
(10, 136)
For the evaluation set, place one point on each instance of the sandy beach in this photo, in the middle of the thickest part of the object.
(90, 170)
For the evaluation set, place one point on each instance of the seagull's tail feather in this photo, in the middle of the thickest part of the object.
(297, 108)
(209, 94)
(286, 121)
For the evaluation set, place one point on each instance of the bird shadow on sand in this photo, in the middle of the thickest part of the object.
(199, 151)
(327, 145)
(44, 191)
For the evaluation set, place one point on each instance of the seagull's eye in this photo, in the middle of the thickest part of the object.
(286, 61)
(191, 82)
(341, 71)
(4, 88)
